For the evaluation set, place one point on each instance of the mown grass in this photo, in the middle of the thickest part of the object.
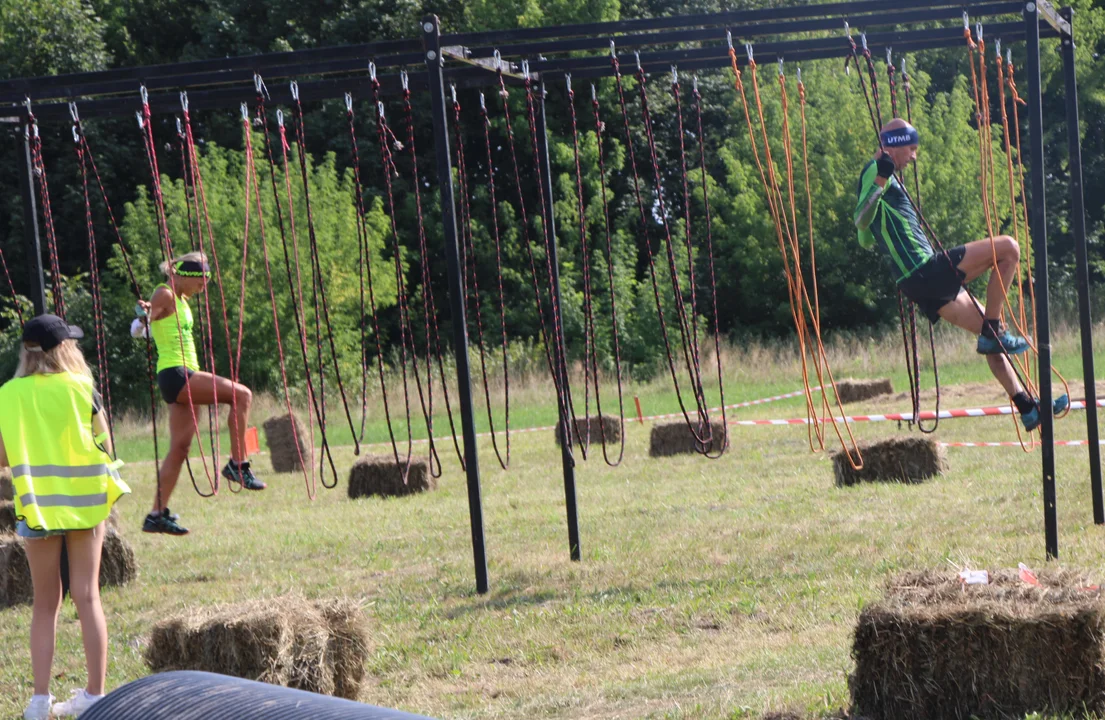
(708, 589)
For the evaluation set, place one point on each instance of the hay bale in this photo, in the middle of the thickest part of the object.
(15, 572)
(282, 442)
(117, 564)
(592, 430)
(676, 438)
(318, 646)
(379, 475)
(7, 490)
(852, 390)
(933, 648)
(905, 460)
(7, 517)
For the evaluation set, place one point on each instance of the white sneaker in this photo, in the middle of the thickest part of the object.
(78, 702)
(39, 707)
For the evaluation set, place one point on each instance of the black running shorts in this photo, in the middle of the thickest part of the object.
(171, 381)
(936, 283)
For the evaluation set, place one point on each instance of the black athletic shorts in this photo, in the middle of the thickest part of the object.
(936, 283)
(172, 380)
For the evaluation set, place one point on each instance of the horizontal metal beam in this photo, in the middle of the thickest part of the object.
(1049, 15)
(948, 37)
(209, 79)
(502, 37)
(765, 59)
(168, 103)
(51, 86)
(746, 30)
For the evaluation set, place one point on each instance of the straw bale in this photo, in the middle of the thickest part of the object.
(318, 646)
(905, 460)
(7, 516)
(7, 490)
(380, 475)
(934, 648)
(117, 563)
(596, 425)
(852, 390)
(282, 442)
(15, 573)
(676, 438)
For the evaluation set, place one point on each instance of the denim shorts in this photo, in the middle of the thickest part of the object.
(24, 531)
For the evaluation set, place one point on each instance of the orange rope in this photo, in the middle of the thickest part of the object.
(799, 297)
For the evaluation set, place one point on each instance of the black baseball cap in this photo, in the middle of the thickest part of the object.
(49, 331)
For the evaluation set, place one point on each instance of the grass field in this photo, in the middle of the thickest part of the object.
(707, 589)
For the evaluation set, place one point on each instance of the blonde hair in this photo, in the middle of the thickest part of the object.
(66, 357)
(167, 266)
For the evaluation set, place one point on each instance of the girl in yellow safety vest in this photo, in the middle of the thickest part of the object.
(54, 436)
(168, 318)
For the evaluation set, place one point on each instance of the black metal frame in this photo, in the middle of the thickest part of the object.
(228, 82)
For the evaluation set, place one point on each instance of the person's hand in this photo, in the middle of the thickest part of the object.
(142, 308)
(885, 165)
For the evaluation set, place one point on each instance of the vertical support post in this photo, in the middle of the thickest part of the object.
(431, 39)
(565, 416)
(1039, 248)
(30, 224)
(1082, 271)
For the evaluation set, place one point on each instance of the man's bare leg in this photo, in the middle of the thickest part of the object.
(979, 257)
(966, 313)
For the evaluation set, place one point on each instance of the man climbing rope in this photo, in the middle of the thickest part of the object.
(935, 281)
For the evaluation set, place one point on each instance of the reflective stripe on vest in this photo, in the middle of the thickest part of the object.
(62, 479)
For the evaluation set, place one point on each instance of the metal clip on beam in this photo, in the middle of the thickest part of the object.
(184, 102)
(295, 90)
(674, 75)
(245, 113)
(372, 71)
(498, 60)
(404, 80)
(748, 51)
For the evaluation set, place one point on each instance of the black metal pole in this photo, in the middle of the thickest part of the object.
(1078, 228)
(1039, 247)
(568, 432)
(30, 225)
(431, 38)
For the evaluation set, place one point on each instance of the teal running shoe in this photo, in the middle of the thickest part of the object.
(1005, 342)
(242, 474)
(1031, 419)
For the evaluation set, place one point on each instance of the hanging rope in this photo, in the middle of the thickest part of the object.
(468, 249)
(387, 142)
(702, 432)
(563, 400)
(295, 285)
(145, 125)
(39, 172)
(429, 304)
(590, 350)
(11, 286)
(710, 254)
(789, 248)
(253, 187)
(600, 132)
(318, 292)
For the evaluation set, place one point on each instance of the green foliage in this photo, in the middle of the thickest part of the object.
(49, 38)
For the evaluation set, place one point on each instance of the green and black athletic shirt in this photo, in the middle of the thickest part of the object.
(887, 214)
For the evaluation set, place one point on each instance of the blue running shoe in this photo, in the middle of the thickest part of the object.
(1005, 342)
(1031, 419)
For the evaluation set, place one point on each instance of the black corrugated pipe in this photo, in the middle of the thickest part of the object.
(189, 695)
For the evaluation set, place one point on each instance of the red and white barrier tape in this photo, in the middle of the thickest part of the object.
(1008, 443)
(907, 417)
(734, 406)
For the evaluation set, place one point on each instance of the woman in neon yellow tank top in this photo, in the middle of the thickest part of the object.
(183, 386)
